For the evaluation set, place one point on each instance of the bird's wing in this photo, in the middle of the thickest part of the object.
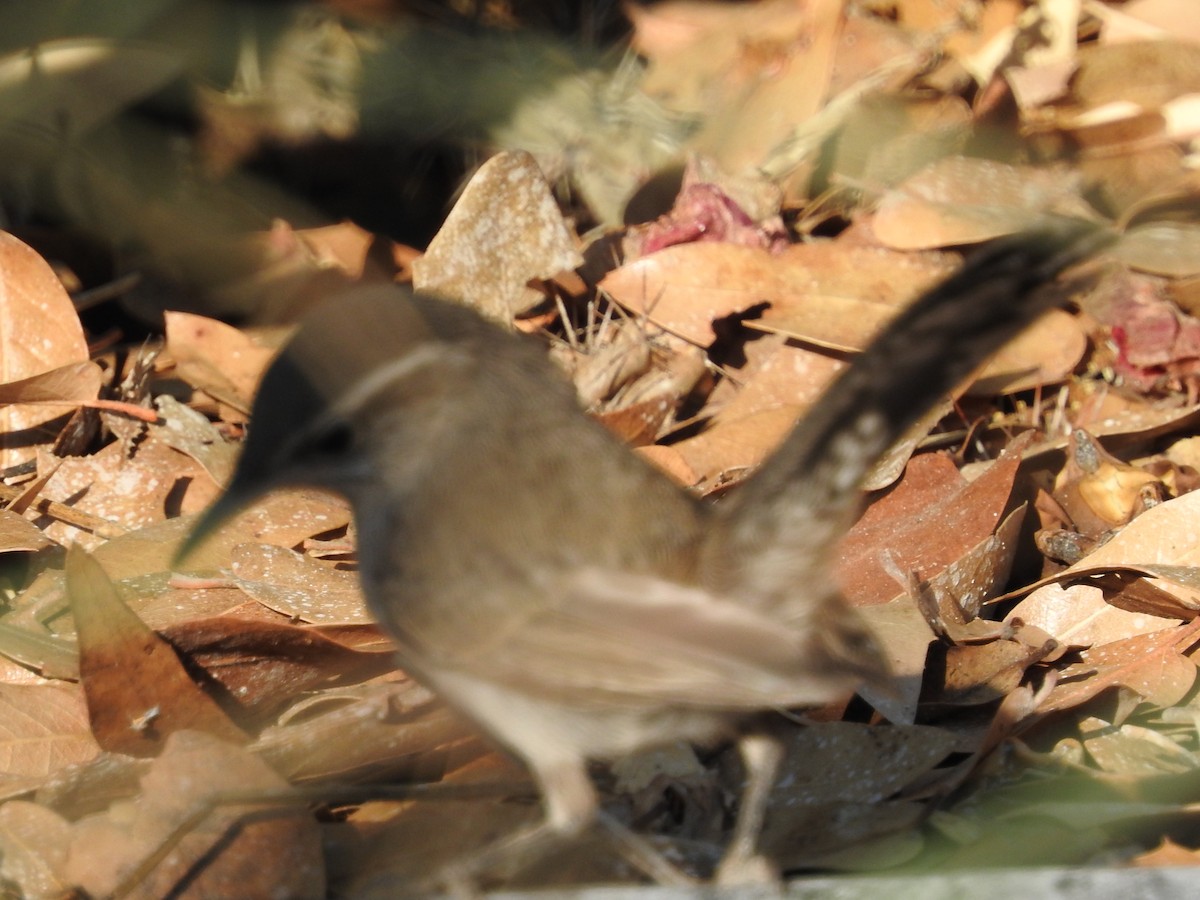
(631, 639)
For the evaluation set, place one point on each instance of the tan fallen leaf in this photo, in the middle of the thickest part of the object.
(41, 331)
(504, 231)
(138, 691)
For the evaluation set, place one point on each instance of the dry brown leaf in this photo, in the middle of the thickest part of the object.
(1132, 751)
(904, 638)
(182, 428)
(33, 849)
(1151, 665)
(1044, 354)
(18, 533)
(131, 490)
(343, 246)
(777, 81)
(297, 585)
(637, 424)
(163, 607)
(378, 729)
(1162, 248)
(906, 630)
(889, 467)
(812, 288)
(960, 200)
(927, 522)
(849, 768)
(504, 231)
(1167, 853)
(262, 665)
(216, 358)
(953, 598)
(248, 850)
(984, 673)
(1078, 615)
(73, 383)
(41, 331)
(284, 518)
(1162, 535)
(669, 460)
(43, 729)
(774, 387)
(731, 452)
(138, 692)
(778, 375)
(855, 291)
(684, 288)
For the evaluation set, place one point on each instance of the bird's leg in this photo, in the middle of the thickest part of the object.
(762, 754)
(641, 854)
(571, 806)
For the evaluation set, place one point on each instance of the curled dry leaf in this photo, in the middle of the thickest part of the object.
(1079, 615)
(1154, 666)
(1100, 492)
(984, 673)
(906, 627)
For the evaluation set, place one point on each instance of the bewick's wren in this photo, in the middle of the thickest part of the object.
(563, 594)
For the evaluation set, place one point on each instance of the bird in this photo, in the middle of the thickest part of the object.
(563, 594)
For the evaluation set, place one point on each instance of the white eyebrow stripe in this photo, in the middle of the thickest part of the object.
(389, 373)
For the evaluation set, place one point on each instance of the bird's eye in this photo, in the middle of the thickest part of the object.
(336, 439)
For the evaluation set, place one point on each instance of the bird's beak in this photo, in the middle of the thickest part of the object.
(235, 498)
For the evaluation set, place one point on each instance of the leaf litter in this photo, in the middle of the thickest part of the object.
(836, 160)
